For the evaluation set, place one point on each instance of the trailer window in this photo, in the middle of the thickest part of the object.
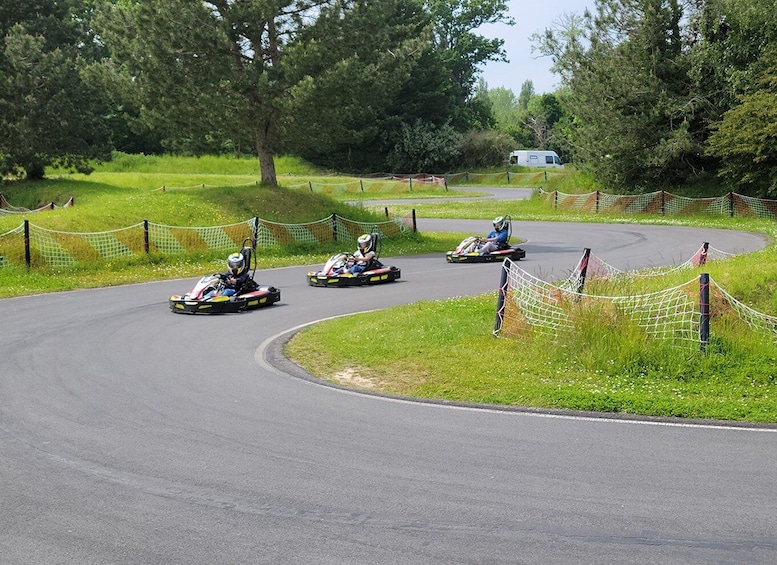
(532, 158)
(548, 159)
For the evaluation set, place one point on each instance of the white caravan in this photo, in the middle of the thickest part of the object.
(535, 158)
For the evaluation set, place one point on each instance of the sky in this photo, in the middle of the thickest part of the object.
(524, 64)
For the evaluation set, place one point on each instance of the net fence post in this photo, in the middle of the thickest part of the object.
(500, 299)
(27, 253)
(145, 236)
(415, 226)
(334, 226)
(704, 310)
(704, 251)
(583, 269)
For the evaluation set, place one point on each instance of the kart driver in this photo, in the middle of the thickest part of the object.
(497, 239)
(236, 276)
(362, 257)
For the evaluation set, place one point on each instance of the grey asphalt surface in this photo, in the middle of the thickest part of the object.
(129, 434)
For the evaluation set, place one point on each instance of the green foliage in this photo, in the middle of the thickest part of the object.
(745, 140)
(532, 121)
(424, 147)
(49, 111)
(213, 78)
(455, 22)
(338, 83)
(628, 94)
(359, 76)
(483, 149)
(644, 81)
(509, 115)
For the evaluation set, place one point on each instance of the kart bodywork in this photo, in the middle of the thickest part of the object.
(198, 301)
(467, 251)
(512, 252)
(206, 298)
(330, 275)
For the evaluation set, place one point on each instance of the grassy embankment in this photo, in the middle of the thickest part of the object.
(207, 191)
(444, 349)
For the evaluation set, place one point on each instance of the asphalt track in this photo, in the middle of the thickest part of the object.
(132, 435)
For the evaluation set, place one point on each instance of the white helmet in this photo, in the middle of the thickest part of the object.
(236, 263)
(365, 240)
(499, 223)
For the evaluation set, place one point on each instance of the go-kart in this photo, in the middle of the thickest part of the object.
(507, 251)
(335, 271)
(206, 298)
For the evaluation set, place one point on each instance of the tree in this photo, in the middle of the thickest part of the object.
(463, 50)
(213, 73)
(485, 148)
(358, 78)
(425, 147)
(542, 114)
(745, 140)
(49, 112)
(386, 72)
(625, 70)
(527, 91)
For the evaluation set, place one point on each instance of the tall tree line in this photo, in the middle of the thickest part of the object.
(358, 84)
(663, 92)
(653, 93)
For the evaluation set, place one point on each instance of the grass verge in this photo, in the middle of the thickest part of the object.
(445, 350)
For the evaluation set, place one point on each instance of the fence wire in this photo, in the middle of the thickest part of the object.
(38, 247)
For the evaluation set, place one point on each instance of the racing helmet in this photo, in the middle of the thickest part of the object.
(499, 223)
(365, 240)
(236, 263)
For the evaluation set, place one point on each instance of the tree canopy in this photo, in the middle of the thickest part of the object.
(333, 80)
(653, 93)
(49, 111)
(745, 139)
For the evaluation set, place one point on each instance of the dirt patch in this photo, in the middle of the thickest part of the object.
(350, 378)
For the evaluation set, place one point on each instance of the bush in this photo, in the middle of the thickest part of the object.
(484, 149)
(424, 147)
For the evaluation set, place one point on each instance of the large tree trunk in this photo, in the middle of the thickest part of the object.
(267, 166)
(266, 162)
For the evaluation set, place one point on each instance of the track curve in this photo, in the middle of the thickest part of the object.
(132, 435)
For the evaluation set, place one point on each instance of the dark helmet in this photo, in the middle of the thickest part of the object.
(499, 223)
(236, 264)
(365, 241)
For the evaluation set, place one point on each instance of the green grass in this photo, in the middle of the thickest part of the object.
(117, 195)
(445, 350)
(18, 281)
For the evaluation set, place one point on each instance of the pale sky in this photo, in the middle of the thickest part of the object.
(530, 18)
